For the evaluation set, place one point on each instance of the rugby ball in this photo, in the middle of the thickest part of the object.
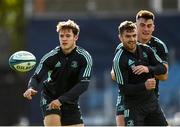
(22, 61)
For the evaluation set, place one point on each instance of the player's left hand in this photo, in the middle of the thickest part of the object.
(55, 104)
(140, 69)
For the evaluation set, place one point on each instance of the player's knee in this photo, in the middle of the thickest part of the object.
(120, 120)
(52, 120)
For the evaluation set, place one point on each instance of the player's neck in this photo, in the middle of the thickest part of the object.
(68, 51)
(143, 41)
(132, 50)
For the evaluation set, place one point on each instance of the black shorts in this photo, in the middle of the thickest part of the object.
(145, 115)
(70, 113)
(119, 105)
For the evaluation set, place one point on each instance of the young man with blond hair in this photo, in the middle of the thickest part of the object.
(68, 70)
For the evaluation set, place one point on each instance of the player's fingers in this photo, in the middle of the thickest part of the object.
(56, 107)
(34, 91)
(153, 85)
(51, 106)
(135, 70)
(138, 71)
(26, 94)
(29, 97)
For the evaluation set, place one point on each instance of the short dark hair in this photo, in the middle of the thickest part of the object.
(145, 14)
(126, 26)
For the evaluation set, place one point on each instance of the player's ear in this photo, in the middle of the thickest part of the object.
(153, 27)
(120, 37)
(135, 23)
(76, 37)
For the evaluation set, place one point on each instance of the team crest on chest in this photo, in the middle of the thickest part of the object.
(74, 64)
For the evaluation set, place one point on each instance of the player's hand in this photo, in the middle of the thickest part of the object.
(55, 104)
(29, 93)
(113, 75)
(140, 69)
(150, 84)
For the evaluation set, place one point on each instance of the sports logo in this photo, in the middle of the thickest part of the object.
(74, 64)
(130, 123)
(121, 108)
(131, 63)
(58, 64)
(44, 101)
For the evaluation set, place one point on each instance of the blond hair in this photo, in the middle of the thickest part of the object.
(68, 25)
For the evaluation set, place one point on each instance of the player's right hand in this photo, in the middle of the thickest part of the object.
(29, 93)
(113, 75)
(150, 84)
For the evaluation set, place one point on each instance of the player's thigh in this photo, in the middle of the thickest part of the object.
(156, 118)
(52, 117)
(120, 111)
(52, 120)
(120, 120)
(134, 116)
(120, 115)
(71, 115)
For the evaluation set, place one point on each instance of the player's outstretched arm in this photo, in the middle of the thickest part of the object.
(29, 93)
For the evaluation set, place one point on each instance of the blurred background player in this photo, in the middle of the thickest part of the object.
(68, 68)
(134, 66)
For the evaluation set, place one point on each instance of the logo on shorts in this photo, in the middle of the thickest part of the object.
(121, 108)
(44, 101)
(130, 123)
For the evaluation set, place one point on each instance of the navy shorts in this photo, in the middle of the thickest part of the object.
(70, 113)
(119, 105)
(145, 115)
